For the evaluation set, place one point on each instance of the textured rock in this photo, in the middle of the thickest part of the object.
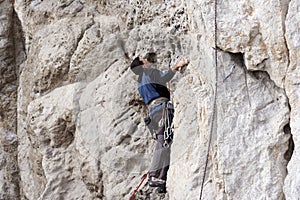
(11, 55)
(257, 31)
(292, 183)
(60, 167)
(249, 142)
(71, 113)
(245, 147)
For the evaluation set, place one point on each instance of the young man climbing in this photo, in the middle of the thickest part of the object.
(152, 87)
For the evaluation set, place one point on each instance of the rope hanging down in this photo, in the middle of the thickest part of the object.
(213, 121)
(138, 187)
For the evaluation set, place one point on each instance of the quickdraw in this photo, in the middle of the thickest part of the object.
(166, 121)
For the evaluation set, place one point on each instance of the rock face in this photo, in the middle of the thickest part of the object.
(72, 119)
(11, 56)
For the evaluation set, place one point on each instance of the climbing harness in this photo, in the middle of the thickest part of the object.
(137, 188)
(213, 121)
(166, 119)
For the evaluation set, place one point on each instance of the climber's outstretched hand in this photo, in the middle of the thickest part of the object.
(182, 63)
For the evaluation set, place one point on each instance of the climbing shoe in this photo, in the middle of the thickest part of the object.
(156, 182)
(162, 189)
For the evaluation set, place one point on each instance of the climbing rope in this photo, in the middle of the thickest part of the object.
(213, 121)
(138, 187)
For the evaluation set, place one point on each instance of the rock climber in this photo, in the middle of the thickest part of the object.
(152, 86)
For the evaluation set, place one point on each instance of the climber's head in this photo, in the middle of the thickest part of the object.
(151, 57)
(138, 63)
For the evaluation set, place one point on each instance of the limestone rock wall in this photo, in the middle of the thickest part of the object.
(11, 56)
(72, 119)
(291, 186)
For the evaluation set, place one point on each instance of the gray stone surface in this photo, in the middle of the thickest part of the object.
(292, 182)
(11, 55)
(72, 119)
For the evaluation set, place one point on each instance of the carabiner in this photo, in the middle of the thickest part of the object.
(166, 144)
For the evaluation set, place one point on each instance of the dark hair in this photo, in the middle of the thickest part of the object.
(137, 66)
(151, 57)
